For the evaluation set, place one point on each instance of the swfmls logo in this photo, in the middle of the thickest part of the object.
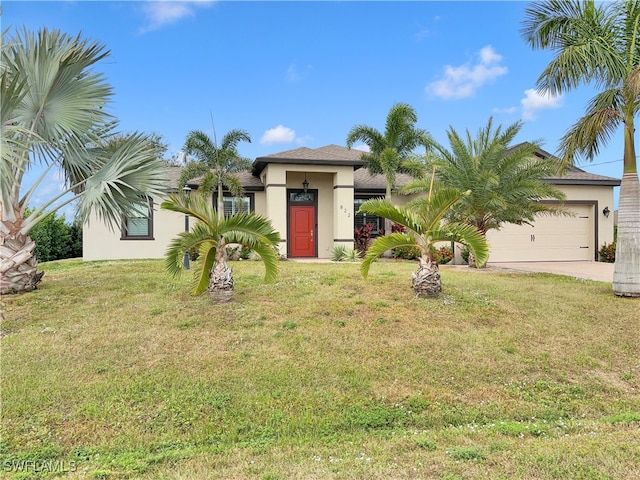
(39, 466)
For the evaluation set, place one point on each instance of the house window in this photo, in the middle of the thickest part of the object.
(233, 205)
(361, 219)
(139, 226)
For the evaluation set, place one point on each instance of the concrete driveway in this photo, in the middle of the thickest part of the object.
(600, 271)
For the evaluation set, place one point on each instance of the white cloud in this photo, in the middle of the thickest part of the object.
(488, 55)
(165, 12)
(422, 34)
(362, 147)
(279, 134)
(534, 101)
(294, 74)
(465, 80)
(508, 110)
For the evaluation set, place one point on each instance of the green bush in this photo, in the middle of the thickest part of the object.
(608, 253)
(55, 239)
(338, 252)
(464, 253)
(407, 253)
(237, 252)
(443, 255)
(341, 253)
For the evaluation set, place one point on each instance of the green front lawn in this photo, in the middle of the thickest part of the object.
(111, 370)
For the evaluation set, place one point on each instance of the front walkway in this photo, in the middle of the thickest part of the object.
(599, 271)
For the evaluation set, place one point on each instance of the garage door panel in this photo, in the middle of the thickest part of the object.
(551, 238)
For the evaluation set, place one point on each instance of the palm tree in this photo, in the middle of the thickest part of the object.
(216, 164)
(424, 226)
(53, 115)
(598, 43)
(391, 152)
(505, 184)
(211, 235)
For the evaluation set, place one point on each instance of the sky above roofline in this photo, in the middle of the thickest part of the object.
(303, 73)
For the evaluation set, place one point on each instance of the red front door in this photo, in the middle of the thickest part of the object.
(302, 222)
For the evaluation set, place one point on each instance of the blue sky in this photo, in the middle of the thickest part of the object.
(303, 73)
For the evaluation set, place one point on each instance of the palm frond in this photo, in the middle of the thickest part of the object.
(196, 206)
(594, 129)
(383, 244)
(212, 232)
(129, 175)
(465, 234)
(208, 253)
(232, 138)
(367, 135)
(401, 215)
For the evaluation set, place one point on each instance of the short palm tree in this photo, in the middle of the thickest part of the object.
(392, 152)
(216, 164)
(211, 234)
(598, 43)
(53, 115)
(506, 185)
(423, 220)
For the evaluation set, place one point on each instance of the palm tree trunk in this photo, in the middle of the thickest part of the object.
(18, 265)
(626, 273)
(426, 282)
(221, 278)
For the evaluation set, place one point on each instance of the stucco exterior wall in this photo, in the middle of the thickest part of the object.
(334, 186)
(335, 213)
(101, 243)
(602, 196)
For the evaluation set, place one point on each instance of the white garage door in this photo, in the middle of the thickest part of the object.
(550, 239)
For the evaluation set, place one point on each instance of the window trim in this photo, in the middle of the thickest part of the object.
(364, 197)
(225, 195)
(124, 235)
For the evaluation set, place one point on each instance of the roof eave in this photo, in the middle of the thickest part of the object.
(261, 163)
(575, 181)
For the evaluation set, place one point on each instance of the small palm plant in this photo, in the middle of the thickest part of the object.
(424, 226)
(210, 236)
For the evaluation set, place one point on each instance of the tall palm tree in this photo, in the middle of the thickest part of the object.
(217, 164)
(598, 43)
(424, 222)
(53, 115)
(505, 184)
(211, 235)
(392, 152)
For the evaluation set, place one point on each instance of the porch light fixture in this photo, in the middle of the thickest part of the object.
(186, 190)
(606, 212)
(305, 184)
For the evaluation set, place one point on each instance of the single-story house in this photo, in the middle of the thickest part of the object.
(312, 196)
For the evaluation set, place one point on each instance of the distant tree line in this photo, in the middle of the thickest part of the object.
(55, 238)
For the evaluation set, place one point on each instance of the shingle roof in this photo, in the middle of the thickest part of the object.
(575, 176)
(173, 176)
(327, 155)
(572, 174)
(363, 179)
(247, 180)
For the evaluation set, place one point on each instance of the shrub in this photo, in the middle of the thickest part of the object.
(238, 252)
(407, 253)
(55, 239)
(352, 255)
(443, 255)
(464, 253)
(362, 237)
(338, 252)
(608, 253)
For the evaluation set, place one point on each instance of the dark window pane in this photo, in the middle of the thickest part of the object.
(302, 197)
